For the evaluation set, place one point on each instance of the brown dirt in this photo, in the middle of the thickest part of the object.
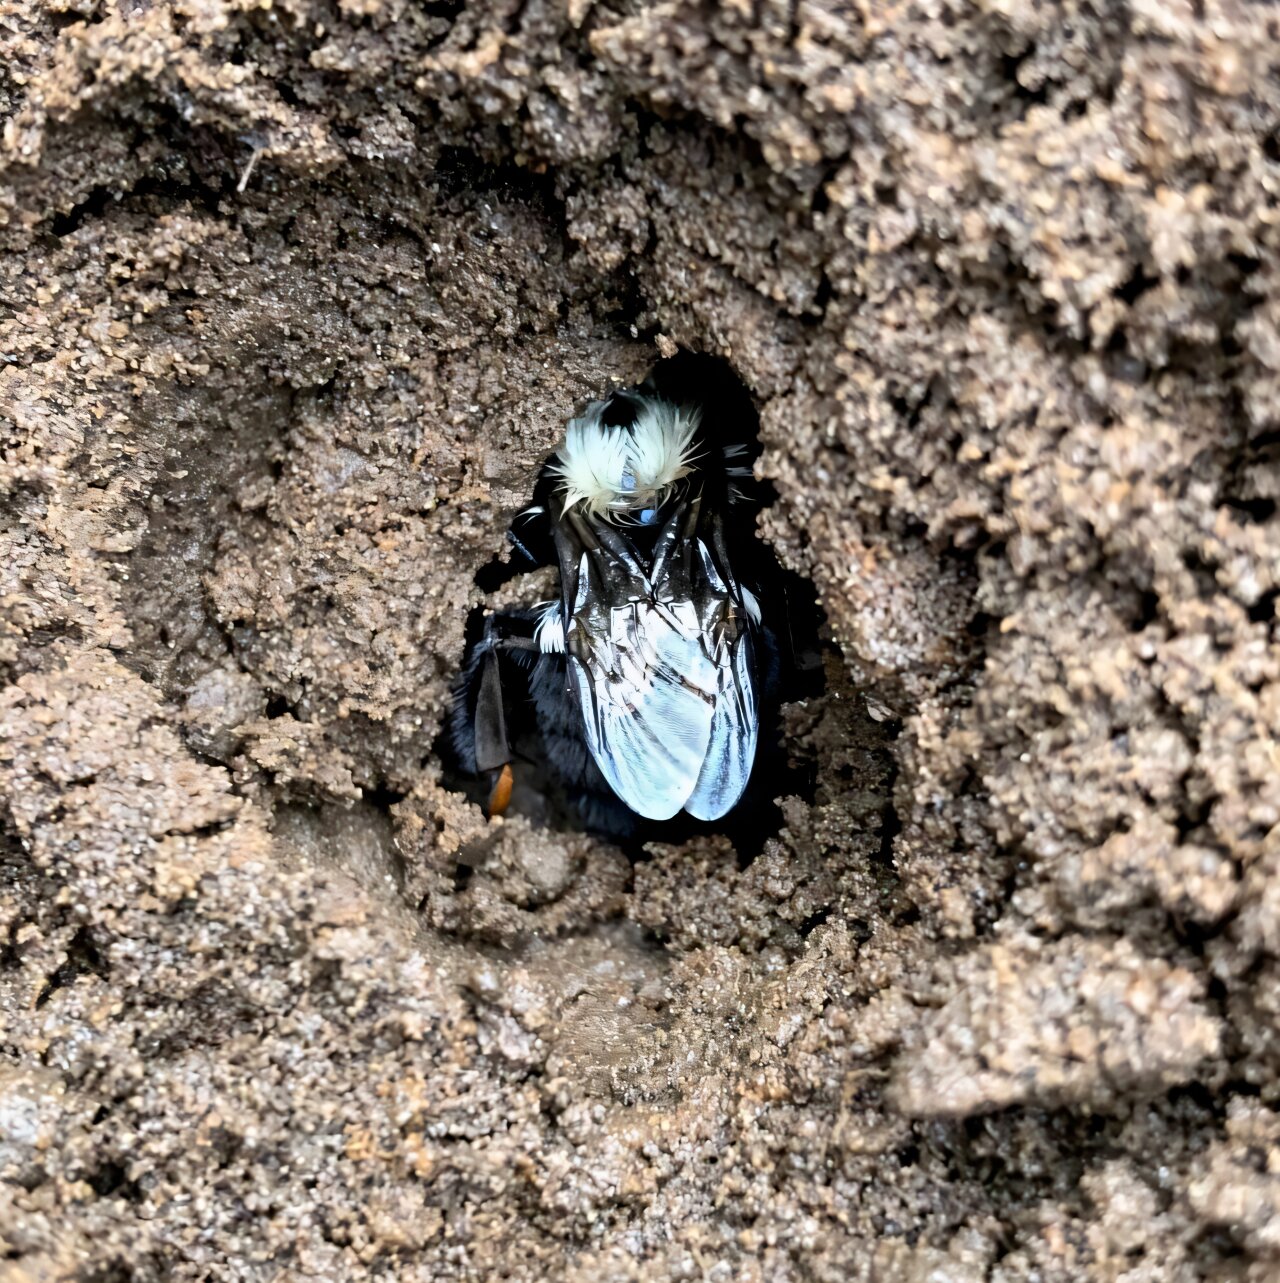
(293, 299)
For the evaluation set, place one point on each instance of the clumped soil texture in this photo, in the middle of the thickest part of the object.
(294, 298)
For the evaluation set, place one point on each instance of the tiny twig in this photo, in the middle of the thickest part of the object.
(248, 169)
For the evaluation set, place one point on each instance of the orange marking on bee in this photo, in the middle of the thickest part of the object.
(500, 796)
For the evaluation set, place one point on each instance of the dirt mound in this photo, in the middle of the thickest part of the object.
(294, 298)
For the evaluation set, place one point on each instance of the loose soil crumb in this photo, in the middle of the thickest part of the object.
(293, 301)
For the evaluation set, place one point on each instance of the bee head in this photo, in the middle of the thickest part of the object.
(623, 457)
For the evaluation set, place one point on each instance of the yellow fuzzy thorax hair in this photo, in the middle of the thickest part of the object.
(616, 472)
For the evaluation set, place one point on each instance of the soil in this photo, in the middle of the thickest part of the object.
(294, 299)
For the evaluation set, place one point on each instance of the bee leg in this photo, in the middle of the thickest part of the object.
(518, 544)
(492, 747)
(490, 724)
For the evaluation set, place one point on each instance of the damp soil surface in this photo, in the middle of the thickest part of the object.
(294, 299)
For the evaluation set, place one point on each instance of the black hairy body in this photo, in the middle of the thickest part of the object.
(666, 629)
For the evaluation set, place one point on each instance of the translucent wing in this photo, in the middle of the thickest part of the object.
(646, 693)
(735, 727)
(735, 723)
(663, 668)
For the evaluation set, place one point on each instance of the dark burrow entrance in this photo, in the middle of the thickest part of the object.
(791, 663)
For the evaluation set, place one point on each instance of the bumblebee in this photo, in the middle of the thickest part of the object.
(644, 675)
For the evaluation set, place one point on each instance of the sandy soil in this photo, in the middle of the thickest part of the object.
(293, 299)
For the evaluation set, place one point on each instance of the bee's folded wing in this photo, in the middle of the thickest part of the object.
(648, 696)
(735, 726)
